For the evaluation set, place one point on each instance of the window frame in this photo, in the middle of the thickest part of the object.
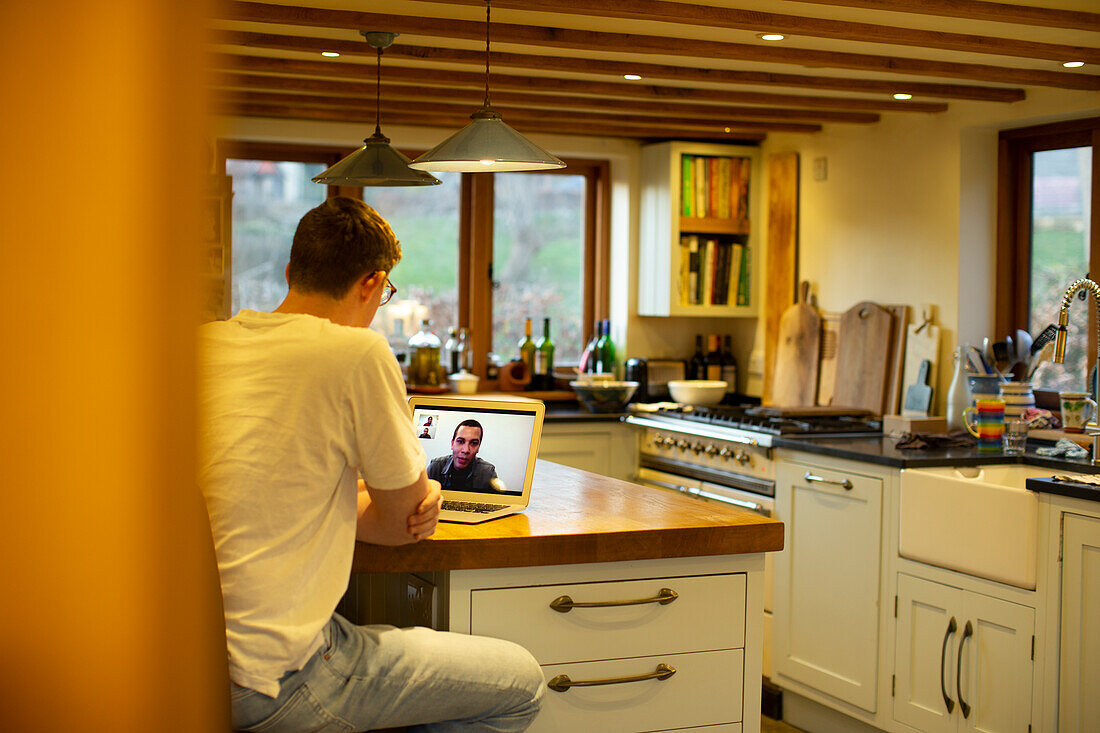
(475, 235)
(1014, 211)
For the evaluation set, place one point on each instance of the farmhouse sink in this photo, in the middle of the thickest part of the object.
(979, 520)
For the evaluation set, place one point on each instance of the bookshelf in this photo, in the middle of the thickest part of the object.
(698, 254)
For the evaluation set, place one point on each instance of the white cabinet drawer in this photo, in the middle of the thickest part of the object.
(708, 613)
(705, 690)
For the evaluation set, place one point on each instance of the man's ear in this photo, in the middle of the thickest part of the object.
(370, 282)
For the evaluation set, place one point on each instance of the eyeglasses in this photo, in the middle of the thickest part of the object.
(387, 292)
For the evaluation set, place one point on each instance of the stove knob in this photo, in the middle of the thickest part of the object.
(725, 454)
(742, 457)
(667, 442)
(683, 445)
(711, 450)
(697, 448)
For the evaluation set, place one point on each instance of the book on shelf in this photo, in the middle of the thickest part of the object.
(709, 252)
(714, 169)
(721, 274)
(725, 168)
(689, 268)
(744, 277)
(687, 187)
(699, 163)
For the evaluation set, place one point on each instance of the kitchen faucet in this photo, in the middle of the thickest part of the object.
(1092, 428)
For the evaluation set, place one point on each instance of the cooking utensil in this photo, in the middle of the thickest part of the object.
(826, 371)
(1000, 358)
(797, 353)
(1010, 353)
(863, 357)
(1045, 336)
(919, 396)
(985, 368)
(1023, 344)
(1037, 360)
(922, 342)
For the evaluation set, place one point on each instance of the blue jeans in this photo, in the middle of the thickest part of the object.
(366, 677)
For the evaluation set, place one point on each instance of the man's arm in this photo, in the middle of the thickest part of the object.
(398, 516)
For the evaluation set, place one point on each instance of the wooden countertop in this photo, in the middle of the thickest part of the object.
(581, 517)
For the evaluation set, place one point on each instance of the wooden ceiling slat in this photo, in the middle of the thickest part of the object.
(526, 126)
(364, 90)
(980, 10)
(641, 44)
(365, 109)
(618, 68)
(760, 21)
(442, 77)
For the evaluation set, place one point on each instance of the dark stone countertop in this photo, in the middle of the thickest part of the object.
(566, 412)
(882, 451)
(1064, 488)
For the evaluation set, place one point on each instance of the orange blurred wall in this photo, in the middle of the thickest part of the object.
(110, 618)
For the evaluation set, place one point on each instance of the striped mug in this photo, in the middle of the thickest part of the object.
(988, 425)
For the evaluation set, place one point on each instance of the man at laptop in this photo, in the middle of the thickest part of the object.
(295, 404)
(463, 470)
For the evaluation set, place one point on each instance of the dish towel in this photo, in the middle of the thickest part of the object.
(1063, 447)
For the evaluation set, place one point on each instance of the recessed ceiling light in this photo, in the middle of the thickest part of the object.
(729, 129)
(903, 95)
(632, 77)
(330, 54)
(771, 36)
(1073, 64)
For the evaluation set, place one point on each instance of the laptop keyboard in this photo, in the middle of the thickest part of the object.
(469, 506)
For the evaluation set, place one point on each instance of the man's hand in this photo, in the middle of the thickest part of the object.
(422, 523)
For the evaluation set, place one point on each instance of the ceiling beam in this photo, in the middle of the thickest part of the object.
(436, 121)
(618, 68)
(980, 10)
(580, 40)
(758, 21)
(363, 90)
(443, 77)
(364, 109)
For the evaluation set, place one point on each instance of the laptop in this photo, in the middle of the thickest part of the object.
(482, 450)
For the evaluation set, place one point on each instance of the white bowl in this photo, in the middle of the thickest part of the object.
(697, 391)
(463, 383)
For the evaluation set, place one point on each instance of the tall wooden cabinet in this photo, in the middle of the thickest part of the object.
(1079, 678)
(708, 209)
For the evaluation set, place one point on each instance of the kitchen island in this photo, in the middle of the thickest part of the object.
(675, 635)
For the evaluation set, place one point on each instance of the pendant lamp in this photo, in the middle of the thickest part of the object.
(487, 143)
(377, 163)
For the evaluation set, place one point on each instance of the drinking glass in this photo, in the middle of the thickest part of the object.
(1015, 437)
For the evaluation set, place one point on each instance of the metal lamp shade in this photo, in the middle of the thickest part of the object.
(486, 144)
(377, 163)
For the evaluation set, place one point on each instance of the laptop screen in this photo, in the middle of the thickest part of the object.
(474, 449)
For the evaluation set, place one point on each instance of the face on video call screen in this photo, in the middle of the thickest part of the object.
(475, 449)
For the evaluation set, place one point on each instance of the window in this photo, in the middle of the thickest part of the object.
(483, 250)
(1048, 238)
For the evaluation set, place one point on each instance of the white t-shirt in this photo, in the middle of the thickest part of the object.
(292, 407)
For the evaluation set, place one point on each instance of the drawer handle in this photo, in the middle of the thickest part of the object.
(968, 631)
(565, 604)
(819, 479)
(951, 629)
(562, 683)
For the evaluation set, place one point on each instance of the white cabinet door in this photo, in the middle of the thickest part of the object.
(603, 447)
(924, 665)
(995, 663)
(826, 612)
(971, 675)
(1078, 699)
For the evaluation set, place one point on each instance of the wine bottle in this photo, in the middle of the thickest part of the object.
(588, 356)
(729, 365)
(698, 364)
(465, 356)
(605, 350)
(714, 358)
(527, 349)
(544, 358)
(424, 367)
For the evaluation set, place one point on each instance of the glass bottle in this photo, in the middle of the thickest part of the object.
(424, 367)
(588, 356)
(729, 365)
(527, 349)
(714, 358)
(544, 359)
(450, 351)
(465, 360)
(958, 394)
(697, 367)
(605, 350)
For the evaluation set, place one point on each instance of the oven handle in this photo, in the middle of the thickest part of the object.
(758, 508)
(702, 433)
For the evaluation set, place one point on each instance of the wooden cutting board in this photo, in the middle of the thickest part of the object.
(781, 284)
(923, 342)
(895, 388)
(797, 353)
(826, 372)
(863, 357)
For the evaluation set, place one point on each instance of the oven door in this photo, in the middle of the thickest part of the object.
(706, 490)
